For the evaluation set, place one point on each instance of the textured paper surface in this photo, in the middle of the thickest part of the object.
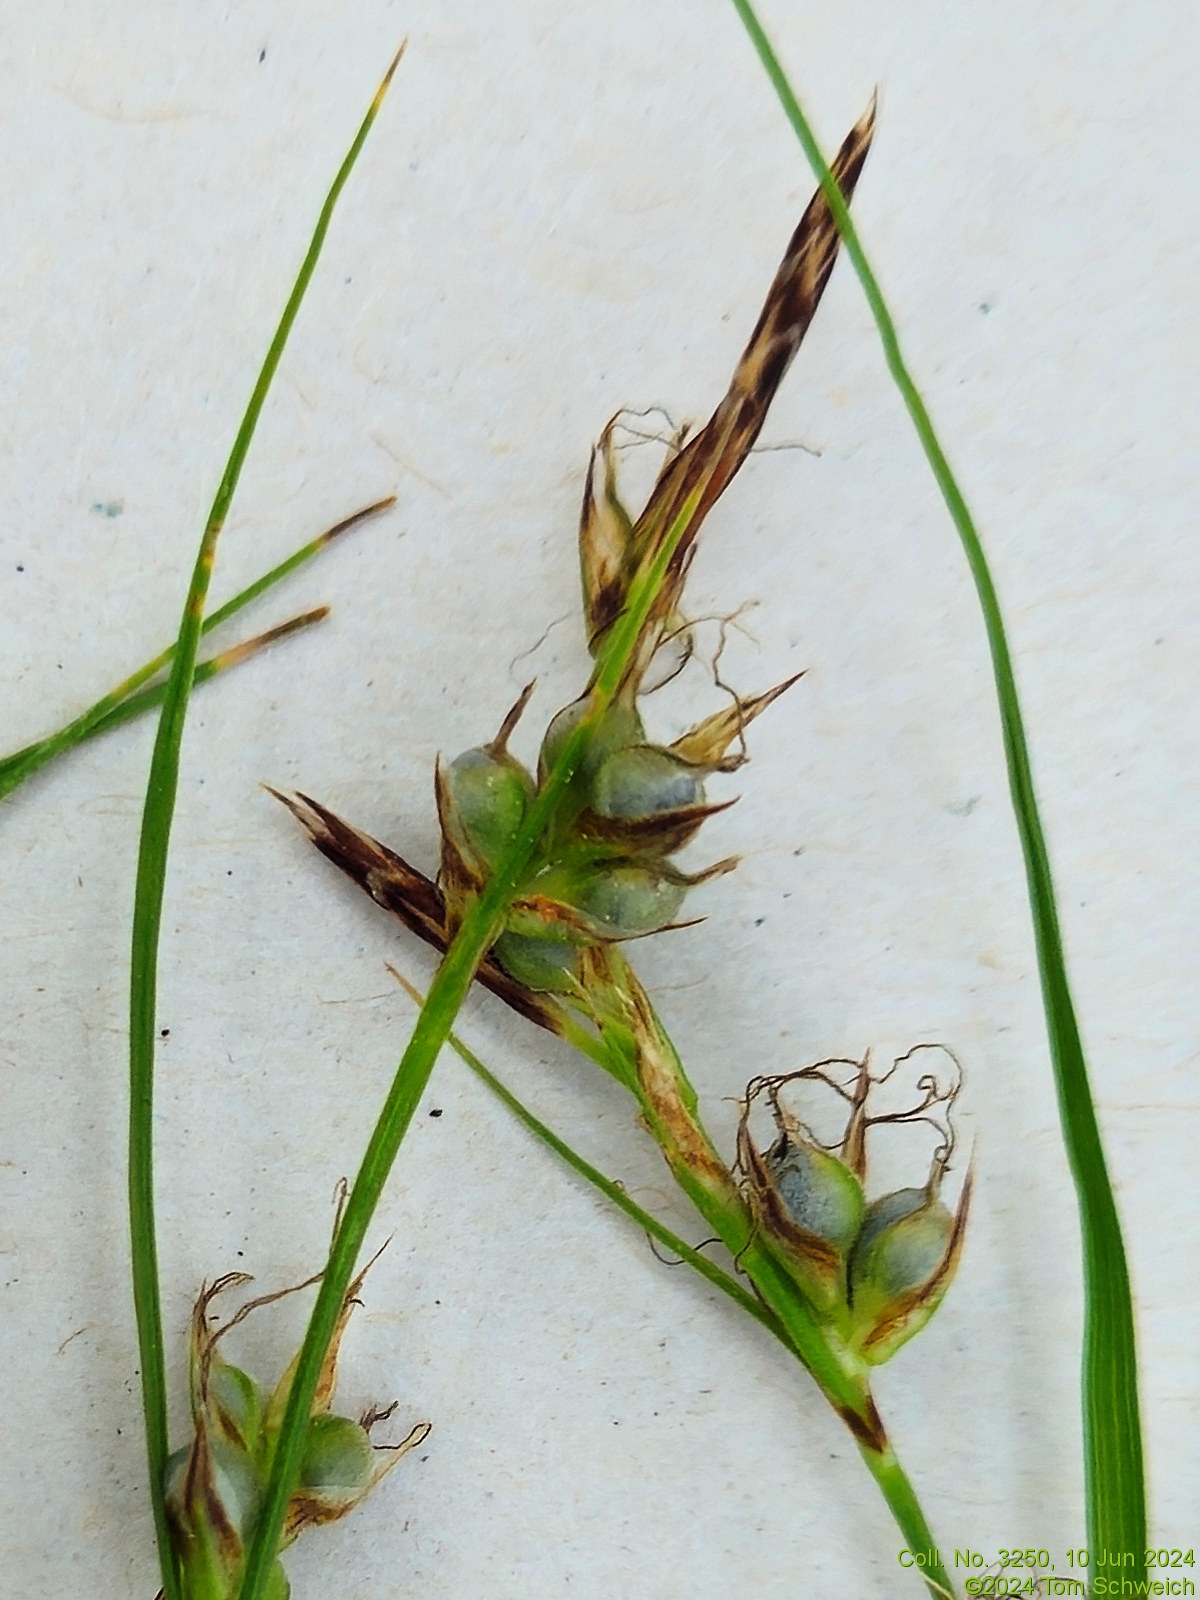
(563, 210)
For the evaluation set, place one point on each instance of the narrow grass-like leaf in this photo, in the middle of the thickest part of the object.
(146, 699)
(151, 878)
(1116, 1503)
(124, 702)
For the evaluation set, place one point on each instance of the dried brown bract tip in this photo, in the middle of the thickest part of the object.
(614, 547)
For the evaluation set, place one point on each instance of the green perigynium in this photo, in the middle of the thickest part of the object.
(483, 796)
(819, 1193)
(620, 726)
(215, 1484)
(489, 796)
(875, 1271)
(644, 780)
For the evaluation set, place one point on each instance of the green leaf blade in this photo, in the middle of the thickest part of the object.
(130, 699)
(162, 788)
(1111, 1422)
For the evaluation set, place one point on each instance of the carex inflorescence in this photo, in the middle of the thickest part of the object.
(876, 1270)
(547, 872)
(604, 869)
(216, 1482)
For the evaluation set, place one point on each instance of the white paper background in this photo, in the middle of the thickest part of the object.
(563, 210)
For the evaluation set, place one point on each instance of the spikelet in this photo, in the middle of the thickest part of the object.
(874, 1272)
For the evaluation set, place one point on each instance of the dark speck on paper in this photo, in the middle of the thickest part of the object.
(108, 508)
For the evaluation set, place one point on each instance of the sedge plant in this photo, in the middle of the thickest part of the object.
(545, 876)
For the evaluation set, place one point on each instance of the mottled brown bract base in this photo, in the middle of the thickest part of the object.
(868, 1429)
(665, 1089)
(406, 893)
